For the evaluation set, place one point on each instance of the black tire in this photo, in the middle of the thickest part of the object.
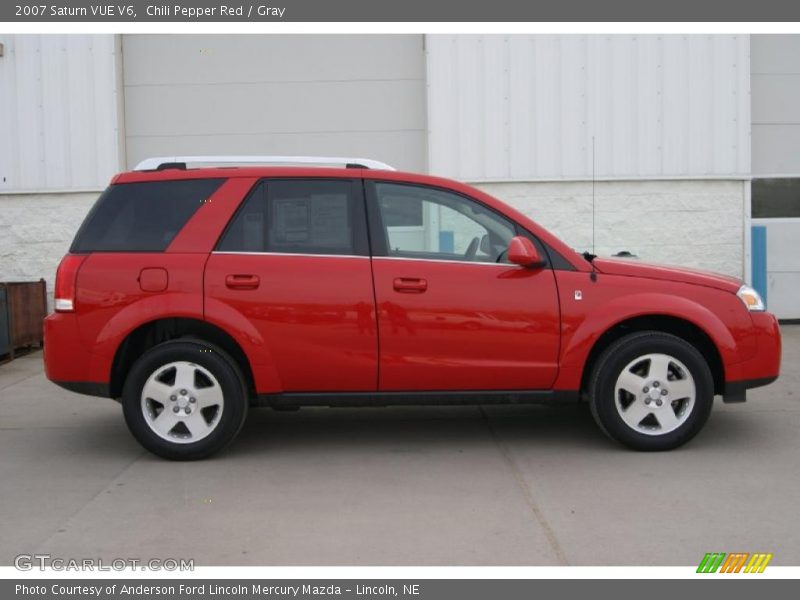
(610, 366)
(226, 424)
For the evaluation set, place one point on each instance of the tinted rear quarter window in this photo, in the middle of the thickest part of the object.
(141, 217)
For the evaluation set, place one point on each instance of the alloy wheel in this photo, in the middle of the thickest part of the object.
(655, 394)
(182, 402)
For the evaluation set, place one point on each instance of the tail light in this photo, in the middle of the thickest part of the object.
(66, 278)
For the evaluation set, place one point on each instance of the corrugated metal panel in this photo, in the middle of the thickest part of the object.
(528, 107)
(58, 112)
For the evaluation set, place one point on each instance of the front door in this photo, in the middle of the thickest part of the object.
(452, 314)
(294, 265)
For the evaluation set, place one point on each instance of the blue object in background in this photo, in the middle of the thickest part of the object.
(758, 245)
(447, 241)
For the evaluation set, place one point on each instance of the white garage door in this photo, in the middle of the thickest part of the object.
(276, 94)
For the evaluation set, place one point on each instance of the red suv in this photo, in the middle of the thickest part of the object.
(192, 294)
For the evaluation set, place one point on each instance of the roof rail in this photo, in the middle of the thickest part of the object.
(173, 162)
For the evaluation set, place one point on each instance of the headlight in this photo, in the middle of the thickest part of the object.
(751, 298)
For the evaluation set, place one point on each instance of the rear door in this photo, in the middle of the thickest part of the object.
(453, 314)
(294, 263)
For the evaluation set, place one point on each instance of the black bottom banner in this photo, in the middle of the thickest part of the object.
(376, 589)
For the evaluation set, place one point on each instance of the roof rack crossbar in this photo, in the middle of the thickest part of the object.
(151, 164)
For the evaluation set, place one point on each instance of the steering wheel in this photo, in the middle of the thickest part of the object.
(472, 249)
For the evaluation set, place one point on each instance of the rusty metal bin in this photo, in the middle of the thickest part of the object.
(5, 331)
(26, 308)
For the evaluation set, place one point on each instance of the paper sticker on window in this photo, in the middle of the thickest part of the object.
(291, 221)
(329, 222)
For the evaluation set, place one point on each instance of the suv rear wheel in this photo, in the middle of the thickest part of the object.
(184, 400)
(651, 391)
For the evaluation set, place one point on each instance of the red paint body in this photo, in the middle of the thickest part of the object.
(476, 327)
(358, 323)
(312, 319)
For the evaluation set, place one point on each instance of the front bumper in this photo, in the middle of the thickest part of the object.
(763, 367)
(736, 391)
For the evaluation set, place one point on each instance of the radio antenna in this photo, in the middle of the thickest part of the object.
(593, 182)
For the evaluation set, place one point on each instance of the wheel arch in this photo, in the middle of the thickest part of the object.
(152, 333)
(665, 323)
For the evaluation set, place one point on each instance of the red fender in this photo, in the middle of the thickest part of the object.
(602, 308)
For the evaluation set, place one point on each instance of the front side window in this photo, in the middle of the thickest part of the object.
(422, 222)
(297, 217)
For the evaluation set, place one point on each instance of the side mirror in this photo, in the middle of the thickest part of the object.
(522, 252)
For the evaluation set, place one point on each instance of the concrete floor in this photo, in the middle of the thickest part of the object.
(405, 486)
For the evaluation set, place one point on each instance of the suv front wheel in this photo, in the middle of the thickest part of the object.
(184, 400)
(651, 391)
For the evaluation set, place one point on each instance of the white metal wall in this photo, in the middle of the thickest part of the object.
(58, 112)
(530, 107)
(775, 72)
(775, 69)
(340, 95)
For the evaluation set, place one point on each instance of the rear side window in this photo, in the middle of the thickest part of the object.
(299, 216)
(141, 217)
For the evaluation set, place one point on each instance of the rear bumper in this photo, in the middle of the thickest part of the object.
(87, 388)
(67, 360)
(764, 366)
